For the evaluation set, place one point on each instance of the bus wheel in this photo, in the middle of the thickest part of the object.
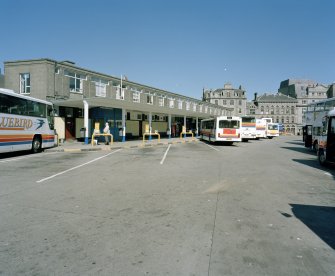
(37, 144)
(322, 158)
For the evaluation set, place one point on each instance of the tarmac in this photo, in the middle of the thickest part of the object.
(77, 146)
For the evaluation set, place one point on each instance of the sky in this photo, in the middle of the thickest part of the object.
(181, 46)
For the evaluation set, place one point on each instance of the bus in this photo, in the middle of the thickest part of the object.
(272, 130)
(248, 128)
(326, 147)
(226, 129)
(268, 120)
(25, 123)
(261, 128)
(313, 119)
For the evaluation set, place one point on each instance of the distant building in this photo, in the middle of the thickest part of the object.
(306, 92)
(281, 108)
(2, 80)
(331, 91)
(228, 97)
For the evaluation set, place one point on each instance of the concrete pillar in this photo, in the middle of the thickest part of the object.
(86, 121)
(169, 126)
(150, 128)
(185, 126)
(197, 126)
(124, 125)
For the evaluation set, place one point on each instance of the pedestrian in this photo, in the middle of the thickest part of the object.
(106, 132)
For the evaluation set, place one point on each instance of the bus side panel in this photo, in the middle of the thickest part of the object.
(15, 142)
(17, 132)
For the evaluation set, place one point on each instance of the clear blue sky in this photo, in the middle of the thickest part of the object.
(178, 45)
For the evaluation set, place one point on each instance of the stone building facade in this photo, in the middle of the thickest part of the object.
(281, 108)
(228, 97)
(306, 92)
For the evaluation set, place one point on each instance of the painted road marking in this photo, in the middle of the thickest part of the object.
(165, 155)
(212, 147)
(76, 167)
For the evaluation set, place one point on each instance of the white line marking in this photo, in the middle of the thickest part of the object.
(165, 154)
(329, 174)
(76, 167)
(212, 147)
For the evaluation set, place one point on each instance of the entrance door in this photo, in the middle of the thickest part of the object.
(69, 128)
(331, 140)
(308, 136)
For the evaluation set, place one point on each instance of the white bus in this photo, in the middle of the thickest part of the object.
(25, 123)
(248, 128)
(272, 130)
(313, 118)
(222, 129)
(261, 126)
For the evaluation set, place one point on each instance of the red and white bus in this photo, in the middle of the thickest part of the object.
(25, 123)
(222, 129)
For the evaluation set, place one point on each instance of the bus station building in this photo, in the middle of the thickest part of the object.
(85, 100)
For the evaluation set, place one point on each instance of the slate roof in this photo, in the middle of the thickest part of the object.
(275, 98)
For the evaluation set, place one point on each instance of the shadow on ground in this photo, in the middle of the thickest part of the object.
(320, 219)
(302, 150)
(330, 168)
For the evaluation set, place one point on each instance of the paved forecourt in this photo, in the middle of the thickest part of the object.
(177, 209)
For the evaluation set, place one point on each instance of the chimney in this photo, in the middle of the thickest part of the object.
(255, 96)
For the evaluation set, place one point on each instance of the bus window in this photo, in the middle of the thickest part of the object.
(229, 124)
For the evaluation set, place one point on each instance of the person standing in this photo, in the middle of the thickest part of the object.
(107, 132)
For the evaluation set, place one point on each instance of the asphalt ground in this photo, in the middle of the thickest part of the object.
(259, 208)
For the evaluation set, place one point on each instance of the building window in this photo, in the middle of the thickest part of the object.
(292, 119)
(194, 107)
(171, 103)
(282, 110)
(224, 102)
(200, 108)
(240, 102)
(267, 110)
(277, 110)
(288, 119)
(231, 102)
(282, 119)
(292, 110)
(206, 109)
(262, 109)
(272, 110)
(150, 99)
(161, 101)
(136, 96)
(187, 105)
(76, 81)
(100, 87)
(180, 104)
(216, 102)
(240, 110)
(119, 93)
(25, 83)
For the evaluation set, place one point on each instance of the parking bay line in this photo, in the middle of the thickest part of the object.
(76, 167)
(165, 154)
(212, 147)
